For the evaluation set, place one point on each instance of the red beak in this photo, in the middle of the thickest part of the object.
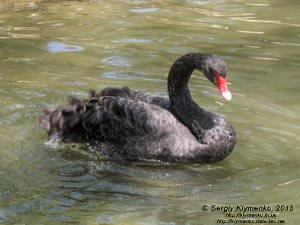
(222, 86)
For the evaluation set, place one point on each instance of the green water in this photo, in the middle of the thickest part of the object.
(50, 51)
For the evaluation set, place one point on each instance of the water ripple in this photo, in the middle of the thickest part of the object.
(188, 24)
(264, 58)
(198, 2)
(116, 61)
(250, 32)
(132, 40)
(55, 47)
(123, 74)
(253, 20)
(58, 24)
(144, 10)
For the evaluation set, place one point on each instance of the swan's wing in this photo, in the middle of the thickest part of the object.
(140, 96)
(106, 118)
(152, 99)
(115, 119)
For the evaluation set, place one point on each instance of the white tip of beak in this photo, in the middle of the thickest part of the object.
(227, 95)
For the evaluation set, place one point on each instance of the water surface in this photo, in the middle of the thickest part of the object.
(50, 51)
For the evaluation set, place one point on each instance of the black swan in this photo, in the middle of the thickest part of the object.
(135, 125)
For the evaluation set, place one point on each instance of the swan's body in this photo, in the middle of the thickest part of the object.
(133, 124)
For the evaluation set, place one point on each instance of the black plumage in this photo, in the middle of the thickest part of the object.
(134, 124)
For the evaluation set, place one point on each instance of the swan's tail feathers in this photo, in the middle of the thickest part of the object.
(44, 120)
(66, 122)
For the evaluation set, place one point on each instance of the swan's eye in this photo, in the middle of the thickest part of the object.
(214, 77)
(217, 74)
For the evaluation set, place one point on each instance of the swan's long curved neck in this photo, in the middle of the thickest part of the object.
(181, 72)
(182, 105)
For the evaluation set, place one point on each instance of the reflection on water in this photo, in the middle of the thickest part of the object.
(104, 43)
(55, 46)
(132, 40)
(146, 10)
(116, 61)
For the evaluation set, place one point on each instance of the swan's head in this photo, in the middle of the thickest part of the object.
(215, 69)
